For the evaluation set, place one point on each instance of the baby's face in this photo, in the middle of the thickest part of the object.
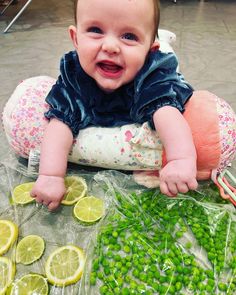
(112, 39)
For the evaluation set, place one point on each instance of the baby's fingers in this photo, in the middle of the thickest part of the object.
(167, 190)
(182, 188)
(33, 193)
(53, 206)
(192, 185)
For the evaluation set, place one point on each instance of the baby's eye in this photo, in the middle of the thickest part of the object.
(130, 36)
(95, 30)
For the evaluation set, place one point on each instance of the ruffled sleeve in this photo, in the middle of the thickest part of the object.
(65, 98)
(158, 84)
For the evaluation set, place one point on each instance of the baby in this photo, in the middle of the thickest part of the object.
(116, 76)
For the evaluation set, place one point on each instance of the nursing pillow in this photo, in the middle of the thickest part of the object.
(131, 147)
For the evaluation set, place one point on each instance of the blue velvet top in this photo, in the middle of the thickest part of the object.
(76, 99)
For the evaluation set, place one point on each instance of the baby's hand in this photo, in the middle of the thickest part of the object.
(178, 176)
(49, 190)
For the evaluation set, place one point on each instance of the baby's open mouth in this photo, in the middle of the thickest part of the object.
(109, 67)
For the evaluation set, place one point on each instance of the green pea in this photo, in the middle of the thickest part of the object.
(162, 279)
(95, 264)
(211, 282)
(195, 279)
(117, 257)
(93, 280)
(188, 245)
(141, 288)
(105, 262)
(110, 278)
(128, 258)
(124, 270)
(179, 269)
(107, 271)
(115, 234)
(186, 280)
(201, 286)
(143, 277)
(120, 281)
(118, 265)
(178, 286)
(140, 267)
(128, 264)
(179, 234)
(192, 287)
(103, 289)
(172, 290)
(222, 287)
(117, 247)
(106, 241)
(135, 273)
(142, 260)
(133, 285)
(125, 291)
(116, 291)
(109, 254)
(128, 279)
(209, 288)
(163, 289)
(112, 264)
(155, 286)
(187, 261)
(126, 249)
(100, 275)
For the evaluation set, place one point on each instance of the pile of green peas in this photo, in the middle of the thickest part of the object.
(141, 248)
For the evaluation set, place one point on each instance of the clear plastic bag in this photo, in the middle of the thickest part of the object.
(151, 244)
(145, 244)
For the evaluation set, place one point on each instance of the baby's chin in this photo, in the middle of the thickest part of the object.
(111, 86)
(108, 89)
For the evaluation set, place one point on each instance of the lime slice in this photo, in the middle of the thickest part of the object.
(8, 235)
(29, 249)
(76, 188)
(89, 209)
(21, 193)
(7, 273)
(30, 284)
(65, 265)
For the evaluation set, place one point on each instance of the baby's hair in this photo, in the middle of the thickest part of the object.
(156, 5)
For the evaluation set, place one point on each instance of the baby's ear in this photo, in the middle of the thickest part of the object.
(155, 46)
(73, 35)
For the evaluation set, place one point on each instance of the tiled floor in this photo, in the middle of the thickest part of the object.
(206, 43)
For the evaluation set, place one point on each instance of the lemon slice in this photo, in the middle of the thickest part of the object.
(21, 193)
(89, 209)
(7, 273)
(29, 249)
(8, 235)
(76, 188)
(30, 284)
(65, 265)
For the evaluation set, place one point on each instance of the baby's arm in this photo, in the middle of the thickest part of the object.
(49, 188)
(179, 174)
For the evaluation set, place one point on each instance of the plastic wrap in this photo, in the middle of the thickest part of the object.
(145, 244)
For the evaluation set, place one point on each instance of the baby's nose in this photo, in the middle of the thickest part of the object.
(111, 45)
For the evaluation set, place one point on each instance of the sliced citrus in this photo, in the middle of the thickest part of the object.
(76, 188)
(30, 284)
(8, 235)
(7, 273)
(21, 193)
(29, 249)
(89, 209)
(65, 265)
